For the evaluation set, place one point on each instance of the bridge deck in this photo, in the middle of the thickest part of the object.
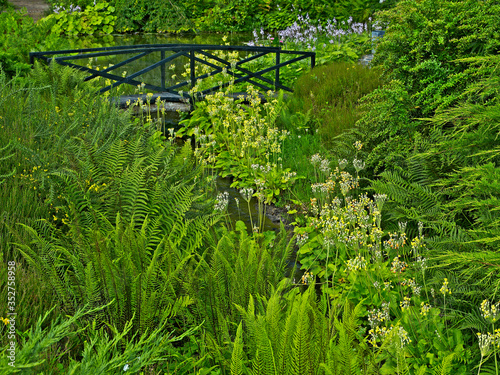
(171, 102)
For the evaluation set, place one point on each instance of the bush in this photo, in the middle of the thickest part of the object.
(420, 58)
(4, 4)
(98, 18)
(20, 35)
(244, 15)
(151, 16)
(425, 37)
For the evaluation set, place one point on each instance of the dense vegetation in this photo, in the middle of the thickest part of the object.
(124, 258)
(225, 16)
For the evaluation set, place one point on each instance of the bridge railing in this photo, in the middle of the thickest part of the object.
(192, 52)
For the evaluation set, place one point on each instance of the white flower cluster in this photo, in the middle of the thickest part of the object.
(316, 159)
(302, 239)
(356, 264)
(488, 342)
(72, 8)
(358, 164)
(247, 193)
(343, 163)
(490, 311)
(325, 166)
(424, 308)
(377, 316)
(222, 202)
(413, 285)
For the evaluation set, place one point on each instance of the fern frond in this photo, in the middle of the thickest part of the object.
(237, 355)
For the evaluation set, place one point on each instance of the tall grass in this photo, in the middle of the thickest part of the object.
(329, 95)
(325, 103)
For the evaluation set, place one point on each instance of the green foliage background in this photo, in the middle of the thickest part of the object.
(431, 132)
(123, 264)
(223, 16)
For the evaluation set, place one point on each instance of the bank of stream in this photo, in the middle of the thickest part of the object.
(238, 209)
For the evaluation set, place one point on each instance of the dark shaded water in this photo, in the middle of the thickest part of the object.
(240, 211)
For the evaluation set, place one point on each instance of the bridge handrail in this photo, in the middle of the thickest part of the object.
(187, 50)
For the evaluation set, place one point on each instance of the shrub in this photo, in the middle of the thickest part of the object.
(449, 181)
(4, 4)
(152, 16)
(425, 37)
(98, 18)
(20, 35)
(242, 141)
(420, 58)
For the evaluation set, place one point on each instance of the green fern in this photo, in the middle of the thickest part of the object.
(238, 267)
(237, 356)
(289, 334)
(127, 240)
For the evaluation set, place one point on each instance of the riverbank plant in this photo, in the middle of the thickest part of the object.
(21, 35)
(70, 160)
(331, 40)
(242, 141)
(428, 165)
(73, 20)
(343, 246)
(429, 147)
(234, 16)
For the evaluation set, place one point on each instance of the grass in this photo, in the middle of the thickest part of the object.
(324, 106)
(329, 96)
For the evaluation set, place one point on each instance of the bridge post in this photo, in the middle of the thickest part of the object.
(162, 70)
(277, 78)
(192, 68)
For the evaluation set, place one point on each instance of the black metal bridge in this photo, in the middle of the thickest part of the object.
(195, 53)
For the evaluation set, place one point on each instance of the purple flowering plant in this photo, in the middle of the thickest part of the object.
(332, 40)
(71, 9)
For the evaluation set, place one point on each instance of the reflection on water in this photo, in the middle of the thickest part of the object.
(240, 212)
(96, 41)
